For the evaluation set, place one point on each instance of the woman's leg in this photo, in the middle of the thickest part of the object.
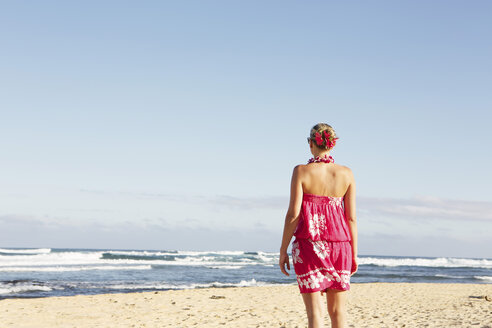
(336, 300)
(314, 309)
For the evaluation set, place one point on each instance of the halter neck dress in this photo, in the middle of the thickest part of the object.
(321, 251)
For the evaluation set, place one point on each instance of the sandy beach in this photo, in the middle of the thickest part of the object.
(370, 305)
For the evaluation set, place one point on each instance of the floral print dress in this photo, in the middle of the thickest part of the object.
(321, 251)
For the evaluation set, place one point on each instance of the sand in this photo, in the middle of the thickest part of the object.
(370, 305)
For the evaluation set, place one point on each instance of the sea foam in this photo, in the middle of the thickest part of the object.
(25, 251)
(427, 262)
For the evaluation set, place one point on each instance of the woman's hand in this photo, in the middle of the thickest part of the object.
(284, 260)
(355, 265)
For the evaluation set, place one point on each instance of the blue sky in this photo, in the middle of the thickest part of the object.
(176, 125)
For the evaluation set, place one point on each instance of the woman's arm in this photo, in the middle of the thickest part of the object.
(291, 219)
(349, 202)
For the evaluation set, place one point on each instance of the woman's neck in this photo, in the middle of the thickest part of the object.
(321, 153)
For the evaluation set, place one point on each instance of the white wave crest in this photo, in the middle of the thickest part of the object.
(427, 262)
(486, 278)
(184, 253)
(242, 283)
(96, 258)
(449, 276)
(75, 268)
(57, 258)
(23, 289)
(226, 267)
(198, 253)
(25, 251)
(141, 253)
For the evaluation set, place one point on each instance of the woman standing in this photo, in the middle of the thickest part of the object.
(321, 216)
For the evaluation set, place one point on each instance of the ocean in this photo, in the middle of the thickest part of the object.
(63, 272)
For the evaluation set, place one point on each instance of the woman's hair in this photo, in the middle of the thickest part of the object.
(323, 136)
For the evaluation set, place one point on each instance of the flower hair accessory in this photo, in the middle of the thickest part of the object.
(319, 139)
(325, 139)
(330, 140)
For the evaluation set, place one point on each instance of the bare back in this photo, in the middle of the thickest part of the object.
(325, 179)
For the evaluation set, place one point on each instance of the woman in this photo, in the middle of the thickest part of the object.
(321, 216)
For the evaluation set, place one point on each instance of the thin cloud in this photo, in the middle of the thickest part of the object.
(251, 203)
(244, 203)
(18, 231)
(417, 207)
(427, 207)
(146, 195)
(30, 222)
(410, 208)
(20, 219)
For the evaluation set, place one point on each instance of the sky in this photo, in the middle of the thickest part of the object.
(176, 124)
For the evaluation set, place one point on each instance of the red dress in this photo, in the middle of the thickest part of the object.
(321, 251)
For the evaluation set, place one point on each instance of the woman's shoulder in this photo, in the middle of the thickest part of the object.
(345, 170)
(340, 167)
(308, 169)
(343, 167)
(301, 168)
(298, 169)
